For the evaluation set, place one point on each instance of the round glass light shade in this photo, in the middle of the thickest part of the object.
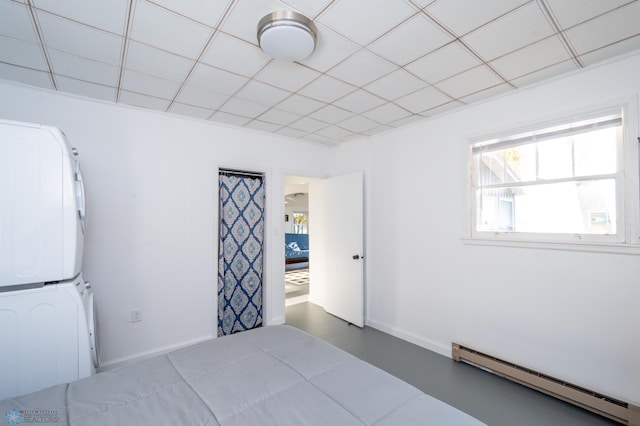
(286, 35)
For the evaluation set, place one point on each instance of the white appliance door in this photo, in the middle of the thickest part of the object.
(343, 235)
(41, 206)
(31, 201)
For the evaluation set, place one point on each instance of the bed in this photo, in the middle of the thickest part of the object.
(275, 375)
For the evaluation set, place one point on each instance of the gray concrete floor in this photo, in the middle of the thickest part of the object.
(491, 399)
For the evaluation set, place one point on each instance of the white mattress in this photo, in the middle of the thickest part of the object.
(275, 375)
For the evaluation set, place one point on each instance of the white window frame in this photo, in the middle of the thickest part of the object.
(627, 238)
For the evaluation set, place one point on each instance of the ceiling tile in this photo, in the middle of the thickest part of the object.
(463, 16)
(308, 124)
(327, 89)
(468, 82)
(309, 8)
(386, 113)
(143, 101)
(292, 133)
(610, 28)
(84, 88)
(235, 120)
(406, 121)
(331, 114)
(358, 124)
(242, 20)
(299, 105)
(441, 109)
(423, 99)
(215, 79)
(362, 68)
(402, 58)
(287, 75)
(277, 116)
(312, 137)
(373, 17)
(611, 51)
(84, 69)
(25, 75)
(134, 81)
(377, 130)
(359, 101)
(567, 14)
(335, 132)
(152, 61)
(395, 85)
(423, 3)
(243, 108)
(190, 111)
(22, 53)
(331, 49)
(168, 31)
(234, 55)
(206, 12)
(15, 21)
(411, 40)
(262, 126)
(446, 62)
(80, 40)
(202, 98)
(539, 55)
(517, 29)
(545, 73)
(486, 93)
(262, 93)
(107, 15)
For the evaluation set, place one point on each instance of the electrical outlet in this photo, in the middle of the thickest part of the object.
(136, 315)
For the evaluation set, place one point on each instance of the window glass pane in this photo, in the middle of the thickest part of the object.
(595, 152)
(521, 163)
(495, 210)
(554, 159)
(587, 207)
(300, 223)
(490, 169)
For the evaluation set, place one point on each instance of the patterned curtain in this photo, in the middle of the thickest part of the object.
(240, 253)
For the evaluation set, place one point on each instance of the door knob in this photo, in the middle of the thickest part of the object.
(357, 256)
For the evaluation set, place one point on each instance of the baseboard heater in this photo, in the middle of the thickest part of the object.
(614, 409)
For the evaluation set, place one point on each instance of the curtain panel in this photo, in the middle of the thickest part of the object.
(240, 253)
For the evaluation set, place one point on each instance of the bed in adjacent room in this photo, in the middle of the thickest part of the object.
(275, 375)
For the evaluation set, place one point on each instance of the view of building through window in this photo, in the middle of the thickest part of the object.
(561, 179)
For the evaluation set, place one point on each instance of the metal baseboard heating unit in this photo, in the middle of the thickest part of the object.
(611, 408)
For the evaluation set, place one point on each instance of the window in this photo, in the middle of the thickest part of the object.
(561, 182)
(300, 223)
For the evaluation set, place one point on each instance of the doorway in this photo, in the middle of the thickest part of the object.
(336, 242)
(296, 239)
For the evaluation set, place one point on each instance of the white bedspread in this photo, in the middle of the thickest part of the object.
(275, 375)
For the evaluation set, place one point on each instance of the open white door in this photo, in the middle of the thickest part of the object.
(342, 231)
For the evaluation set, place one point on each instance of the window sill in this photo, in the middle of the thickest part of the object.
(594, 247)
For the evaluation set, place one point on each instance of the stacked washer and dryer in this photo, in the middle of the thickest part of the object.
(47, 323)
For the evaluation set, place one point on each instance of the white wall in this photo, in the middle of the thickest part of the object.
(574, 315)
(151, 184)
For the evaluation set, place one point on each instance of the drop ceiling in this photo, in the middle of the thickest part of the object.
(378, 65)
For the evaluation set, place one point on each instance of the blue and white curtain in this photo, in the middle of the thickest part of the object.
(240, 253)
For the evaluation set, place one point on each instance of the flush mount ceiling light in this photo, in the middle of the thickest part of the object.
(287, 35)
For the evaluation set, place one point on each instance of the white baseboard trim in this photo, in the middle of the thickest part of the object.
(437, 347)
(120, 362)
